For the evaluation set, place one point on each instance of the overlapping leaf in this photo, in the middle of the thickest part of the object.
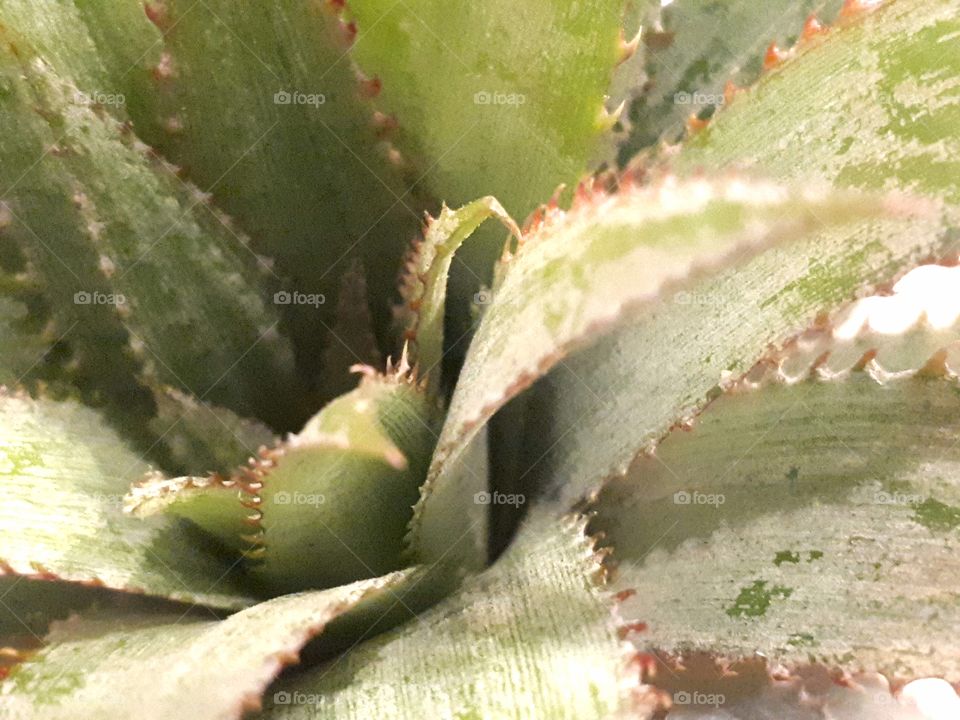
(693, 49)
(261, 106)
(137, 270)
(581, 275)
(872, 103)
(105, 666)
(529, 638)
(328, 506)
(427, 272)
(603, 405)
(64, 477)
(824, 499)
(619, 278)
(502, 98)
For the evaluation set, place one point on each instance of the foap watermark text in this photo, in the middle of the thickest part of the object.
(498, 498)
(683, 497)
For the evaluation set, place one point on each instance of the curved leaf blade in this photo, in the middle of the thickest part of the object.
(102, 666)
(283, 134)
(473, 123)
(693, 49)
(530, 638)
(144, 280)
(580, 276)
(872, 104)
(590, 421)
(65, 474)
(827, 511)
(336, 500)
(424, 285)
(328, 506)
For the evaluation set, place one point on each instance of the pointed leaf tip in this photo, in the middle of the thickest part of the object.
(626, 49)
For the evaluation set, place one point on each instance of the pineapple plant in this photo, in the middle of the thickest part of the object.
(654, 415)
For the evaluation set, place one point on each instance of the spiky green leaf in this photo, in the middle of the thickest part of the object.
(428, 272)
(694, 48)
(101, 666)
(502, 98)
(529, 638)
(262, 107)
(827, 511)
(871, 104)
(142, 277)
(819, 115)
(327, 506)
(580, 276)
(64, 477)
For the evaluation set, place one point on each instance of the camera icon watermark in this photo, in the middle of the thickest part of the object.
(98, 298)
(498, 498)
(683, 497)
(298, 298)
(295, 97)
(486, 97)
(484, 297)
